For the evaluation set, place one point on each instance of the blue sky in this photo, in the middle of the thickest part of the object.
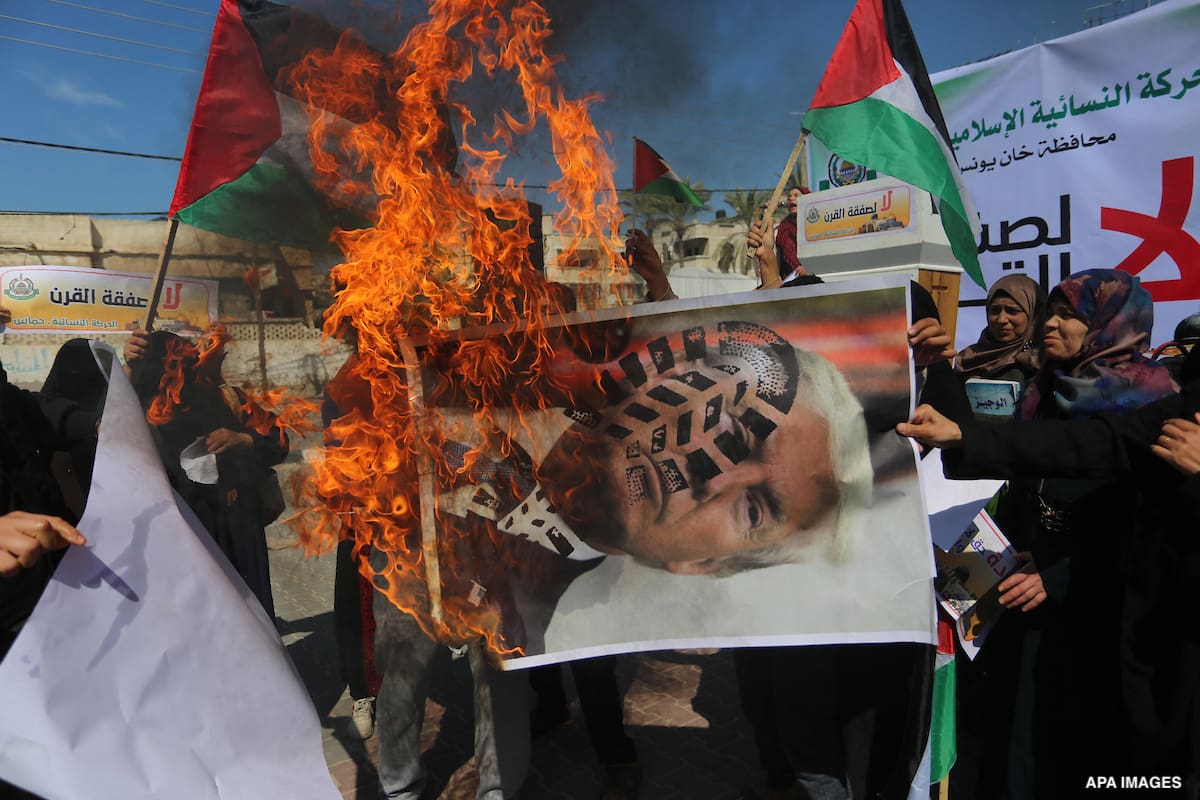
(717, 88)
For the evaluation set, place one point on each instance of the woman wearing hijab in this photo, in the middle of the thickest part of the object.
(1154, 452)
(199, 423)
(1051, 666)
(1007, 349)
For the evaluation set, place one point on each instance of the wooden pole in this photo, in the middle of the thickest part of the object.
(160, 274)
(429, 549)
(262, 331)
(801, 143)
(634, 194)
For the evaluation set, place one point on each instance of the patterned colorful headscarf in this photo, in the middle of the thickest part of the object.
(988, 357)
(1109, 373)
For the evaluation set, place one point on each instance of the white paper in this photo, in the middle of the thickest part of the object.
(148, 670)
(199, 464)
(951, 504)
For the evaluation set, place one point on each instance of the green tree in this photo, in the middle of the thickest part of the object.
(746, 203)
(656, 210)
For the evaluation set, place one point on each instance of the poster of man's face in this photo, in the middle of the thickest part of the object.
(725, 473)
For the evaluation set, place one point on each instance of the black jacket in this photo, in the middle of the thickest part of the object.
(32, 427)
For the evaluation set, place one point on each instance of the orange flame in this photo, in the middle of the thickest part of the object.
(449, 250)
(178, 365)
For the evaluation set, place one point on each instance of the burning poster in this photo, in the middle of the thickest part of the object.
(664, 476)
(673, 475)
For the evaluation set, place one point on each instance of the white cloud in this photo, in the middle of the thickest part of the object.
(68, 92)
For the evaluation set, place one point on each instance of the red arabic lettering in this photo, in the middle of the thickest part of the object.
(1163, 234)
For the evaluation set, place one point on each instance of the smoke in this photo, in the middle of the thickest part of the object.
(637, 55)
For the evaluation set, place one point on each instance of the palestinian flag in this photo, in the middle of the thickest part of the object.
(875, 106)
(943, 729)
(651, 175)
(246, 170)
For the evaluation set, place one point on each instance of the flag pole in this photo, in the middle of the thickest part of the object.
(634, 193)
(801, 143)
(160, 274)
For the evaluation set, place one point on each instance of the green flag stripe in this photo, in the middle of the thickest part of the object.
(270, 204)
(943, 728)
(672, 188)
(881, 136)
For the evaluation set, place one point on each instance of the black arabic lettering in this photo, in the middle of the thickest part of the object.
(1007, 229)
(1039, 225)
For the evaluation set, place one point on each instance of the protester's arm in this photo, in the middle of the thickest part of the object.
(930, 342)
(930, 427)
(25, 537)
(267, 439)
(1025, 588)
(1099, 447)
(1178, 445)
(932, 348)
(760, 242)
(55, 423)
(644, 260)
(135, 348)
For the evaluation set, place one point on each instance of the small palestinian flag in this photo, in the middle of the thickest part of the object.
(246, 170)
(651, 175)
(875, 106)
(943, 731)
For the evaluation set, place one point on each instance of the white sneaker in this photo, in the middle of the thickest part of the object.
(363, 717)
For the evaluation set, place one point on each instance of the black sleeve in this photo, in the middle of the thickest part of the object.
(269, 448)
(54, 423)
(943, 387)
(1105, 446)
(944, 390)
(71, 425)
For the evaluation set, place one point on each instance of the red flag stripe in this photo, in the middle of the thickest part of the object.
(647, 165)
(861, 63)
(236, 117)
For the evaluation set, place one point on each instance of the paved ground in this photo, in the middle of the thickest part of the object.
(680, 708)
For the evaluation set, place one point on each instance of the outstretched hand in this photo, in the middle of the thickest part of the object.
(930, 427)
(929, 342)
(25, 537)
(1178, 444)
(643, 259)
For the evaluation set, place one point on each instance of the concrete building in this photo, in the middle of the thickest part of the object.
(294, 353)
